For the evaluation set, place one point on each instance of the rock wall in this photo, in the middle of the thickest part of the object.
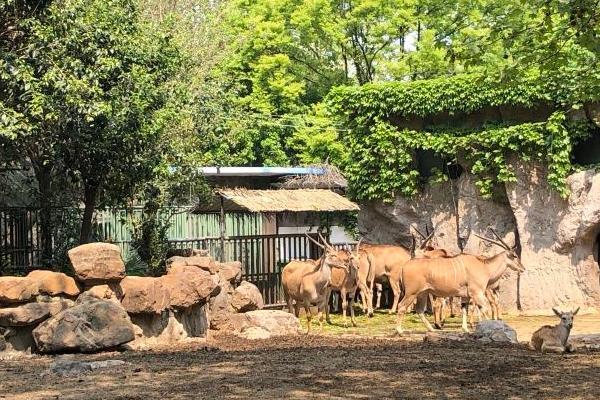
(102, 309)
(557, 237)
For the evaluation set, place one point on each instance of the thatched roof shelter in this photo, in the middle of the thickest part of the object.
(281, 200)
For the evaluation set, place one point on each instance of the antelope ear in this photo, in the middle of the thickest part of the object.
(576, 311)
(558, 314)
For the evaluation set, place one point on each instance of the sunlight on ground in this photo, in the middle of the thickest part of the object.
(383, 324)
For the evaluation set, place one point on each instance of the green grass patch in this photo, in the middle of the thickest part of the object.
(381, 324)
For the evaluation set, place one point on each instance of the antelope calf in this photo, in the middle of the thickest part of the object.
(554, 338)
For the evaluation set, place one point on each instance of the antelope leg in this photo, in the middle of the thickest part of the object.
(420, 308)
(402, 307)
(379, 292)
(463, 308)
(552, 349)
(351, 305)
(308, 317)
(327, 297)
(396, 289)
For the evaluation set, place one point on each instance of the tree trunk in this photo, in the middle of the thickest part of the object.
(89, 200)
(43, 175)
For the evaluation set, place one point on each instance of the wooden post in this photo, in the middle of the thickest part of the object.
(222, 229)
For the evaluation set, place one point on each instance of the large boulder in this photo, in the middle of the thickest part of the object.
(230, 271)
(54, 283)
(144, 295)
(262, 324)
(31, 313)
(189, 288)
(202, 262)
(90, 326)
(220, 306)
(111, 292)
(495, 331)
(17, 289)
(97, 263)
(188, 252)
(246, 297)
(162, 330)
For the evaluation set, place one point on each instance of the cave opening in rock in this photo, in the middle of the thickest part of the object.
(428, 162)
(587, 152)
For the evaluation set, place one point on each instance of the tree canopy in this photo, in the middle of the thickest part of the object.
(108, 98)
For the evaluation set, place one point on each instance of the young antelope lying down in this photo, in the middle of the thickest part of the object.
(554, 338)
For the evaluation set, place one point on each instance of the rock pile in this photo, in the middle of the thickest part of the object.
(102, 308)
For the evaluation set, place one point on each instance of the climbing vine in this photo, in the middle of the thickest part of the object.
(382, 158)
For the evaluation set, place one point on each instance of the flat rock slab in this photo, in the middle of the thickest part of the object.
(91, 326)
(96, 263)
(495, 331)
(31, 313)
(70, 367)
(54, 283)
(17, 289)
(262, 324)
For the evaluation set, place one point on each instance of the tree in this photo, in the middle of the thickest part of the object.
(89, 88)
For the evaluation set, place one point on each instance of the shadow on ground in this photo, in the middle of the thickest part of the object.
(318, 367)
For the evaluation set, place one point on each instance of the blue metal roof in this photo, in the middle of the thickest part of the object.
(260, 171)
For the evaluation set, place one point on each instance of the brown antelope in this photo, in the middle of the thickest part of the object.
(554, 338)
(386, 260)
(307, 282)
(464, 276)
(345, 282)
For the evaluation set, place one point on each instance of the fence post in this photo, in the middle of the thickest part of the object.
(222, 229)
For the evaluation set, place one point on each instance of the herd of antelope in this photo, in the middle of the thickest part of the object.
(414, 275)
(418, 275)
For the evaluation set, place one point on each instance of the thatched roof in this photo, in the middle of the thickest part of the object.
(321, 177)
(282, 200)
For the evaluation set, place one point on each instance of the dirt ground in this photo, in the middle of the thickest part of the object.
(325, 366)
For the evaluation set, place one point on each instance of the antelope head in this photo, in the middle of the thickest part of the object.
(331, 256)
(512, 259)
(355, 258)
(566, 318)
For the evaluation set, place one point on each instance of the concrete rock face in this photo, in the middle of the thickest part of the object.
(558, 238)
(54, 283)
(246, 297)
(97, 263)
(495, 331)
(143, 295)
(93, 325)
(16, 289)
